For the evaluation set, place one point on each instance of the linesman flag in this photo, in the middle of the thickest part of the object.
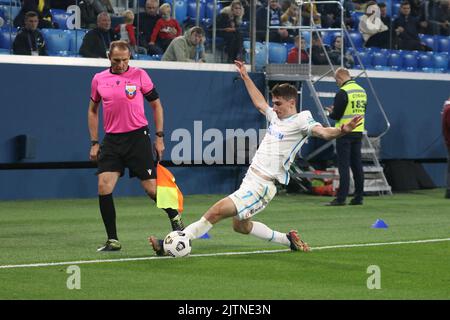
(168, 195)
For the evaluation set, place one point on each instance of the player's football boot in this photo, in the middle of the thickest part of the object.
(110, 245)
(177, 223)
(297, 244)
(157, 246)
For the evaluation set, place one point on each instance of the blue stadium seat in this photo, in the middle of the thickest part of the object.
(9, 13)
(209, 11)
(277, 53)
(395, 61)
(429, 41)
(260, 54)
(76, 39)
(307, 37)
(443, 44)
(58, 41)
(356, 16)
(440, 62)
(60, 17)
(180, 10)
(7, 36)
(356, 38)
(425, 62)
(192, 9)
(4, 51)
(366, 59)
(329, 37)
(379, 59)
(410, 61)
(395, 9)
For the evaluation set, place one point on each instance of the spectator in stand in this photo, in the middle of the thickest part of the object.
(387, 20)
(319, 50)
(166, 28)
(96, 42)
(228, 22)
(145, 24)
(275, 35)
(41, 7)
(373, 30)
(187, 48)
(306, 14)
(335, 54)
(88, 14)
(406, 28)
(290, 18)
(103, 6)
(62, 4)
(415, 7)
(29, 40)
(330, 14)
(300, 45)
(435, 17)
(126, 32)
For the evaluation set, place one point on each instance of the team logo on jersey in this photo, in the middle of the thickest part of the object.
(130, 91)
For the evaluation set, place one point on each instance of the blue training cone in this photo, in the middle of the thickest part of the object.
(380, 224)
(205, 236)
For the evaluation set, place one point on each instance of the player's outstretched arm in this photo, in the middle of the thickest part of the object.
(330, 133)
(257, 98)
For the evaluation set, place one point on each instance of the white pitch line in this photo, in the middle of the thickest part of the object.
(50, 264)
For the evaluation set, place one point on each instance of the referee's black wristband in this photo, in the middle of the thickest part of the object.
(94, 142)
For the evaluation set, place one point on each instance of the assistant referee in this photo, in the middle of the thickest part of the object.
(126, 144)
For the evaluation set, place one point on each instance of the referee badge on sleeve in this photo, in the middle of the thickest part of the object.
(130, 91)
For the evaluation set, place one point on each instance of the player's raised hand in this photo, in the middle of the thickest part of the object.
(240, 67)
(350, 126)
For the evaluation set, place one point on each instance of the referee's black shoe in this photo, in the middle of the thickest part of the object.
(110, 245)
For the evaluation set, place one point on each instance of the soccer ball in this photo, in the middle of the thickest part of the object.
(177, 244)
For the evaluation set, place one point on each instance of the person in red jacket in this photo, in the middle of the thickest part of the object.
(446, 133)
(293, 53)
(166, 28)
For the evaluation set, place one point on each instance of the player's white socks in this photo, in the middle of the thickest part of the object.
(197, 229)
(260, 230)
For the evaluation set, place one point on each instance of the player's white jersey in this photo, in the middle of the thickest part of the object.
(281, 143)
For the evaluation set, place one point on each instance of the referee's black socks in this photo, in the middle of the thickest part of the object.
(108, 212)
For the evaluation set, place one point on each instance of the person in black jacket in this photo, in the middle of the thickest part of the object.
(228, 22)
(45, 18)
(96, 41)
(30, 41)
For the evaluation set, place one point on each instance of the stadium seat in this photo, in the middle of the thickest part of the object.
(60, 17)
(7, 36)
(180, 10)
(4, 51)
(425, 62)
(329, 36)
(260, 54)
(307, 37)
(410, 62)
(58, 41)
(209, 11)
(395, 9)
(356, 16)
(443, 44)
(395, 61)
(356, 38)
(76, 39)
(9, 12)
(429, 41)
(440, 62)
(379, 59)
(192, 9)
(277, 53)
(366, 59)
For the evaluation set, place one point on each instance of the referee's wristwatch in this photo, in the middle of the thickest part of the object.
(94, 142)
(159, 134)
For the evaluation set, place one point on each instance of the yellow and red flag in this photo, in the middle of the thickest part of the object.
(168, 195)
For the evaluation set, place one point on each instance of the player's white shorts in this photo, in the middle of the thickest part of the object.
(253, 195)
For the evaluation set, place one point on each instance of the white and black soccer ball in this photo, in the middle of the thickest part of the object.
(177, 244)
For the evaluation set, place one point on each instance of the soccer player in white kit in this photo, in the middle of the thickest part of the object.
(287, 132)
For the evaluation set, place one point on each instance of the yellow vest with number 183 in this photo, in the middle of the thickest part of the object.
(357, 101)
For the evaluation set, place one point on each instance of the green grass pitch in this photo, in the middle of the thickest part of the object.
(70, 230)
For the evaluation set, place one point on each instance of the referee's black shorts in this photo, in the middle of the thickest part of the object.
(132, 150)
